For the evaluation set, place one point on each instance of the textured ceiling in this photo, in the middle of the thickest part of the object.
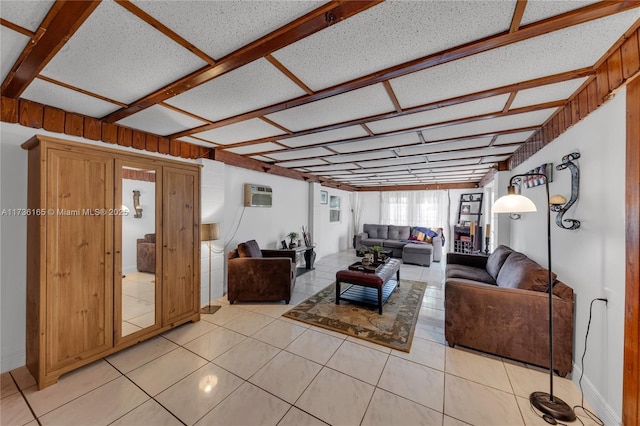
(365, 94)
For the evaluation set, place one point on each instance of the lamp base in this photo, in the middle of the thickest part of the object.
(558, 409)
(210, 309)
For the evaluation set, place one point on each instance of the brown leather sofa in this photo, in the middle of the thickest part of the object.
(500, 304)
(146, 253)
(260, 275)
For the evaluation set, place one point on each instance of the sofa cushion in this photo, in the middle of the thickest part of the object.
(370, 242)
(249, 249)
(399, 232)
(518, 271)
(376, 231)
(469, 273)
(496, 260)
(393, 244)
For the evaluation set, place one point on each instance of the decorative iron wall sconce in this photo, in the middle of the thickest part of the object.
(136, 204)
(558, 203)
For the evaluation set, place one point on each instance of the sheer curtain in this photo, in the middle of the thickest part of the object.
(415, 208)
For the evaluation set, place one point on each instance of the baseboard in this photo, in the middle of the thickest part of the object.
(597, 402)
(12, 361)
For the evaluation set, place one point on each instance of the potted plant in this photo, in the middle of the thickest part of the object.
(378, 255)
(292, 236)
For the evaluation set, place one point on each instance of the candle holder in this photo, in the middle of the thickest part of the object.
(486, 245)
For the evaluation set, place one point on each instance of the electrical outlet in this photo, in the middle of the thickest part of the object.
(607, 293)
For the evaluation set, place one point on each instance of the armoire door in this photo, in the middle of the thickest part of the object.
(181, 244)
(79, 265)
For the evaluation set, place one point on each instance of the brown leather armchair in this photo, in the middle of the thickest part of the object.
(146, 253)
(260, 275)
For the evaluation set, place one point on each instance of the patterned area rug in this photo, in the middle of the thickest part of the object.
(394, 328)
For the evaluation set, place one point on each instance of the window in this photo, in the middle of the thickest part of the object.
(415, 208)
(334, 208)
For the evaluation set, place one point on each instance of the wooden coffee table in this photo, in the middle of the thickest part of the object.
(370, 288)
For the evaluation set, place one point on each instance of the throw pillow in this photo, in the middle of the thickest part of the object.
(518, 271)
(249, 249)
(496, 260)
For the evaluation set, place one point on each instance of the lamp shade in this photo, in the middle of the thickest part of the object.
(209, 231)
(513, 203)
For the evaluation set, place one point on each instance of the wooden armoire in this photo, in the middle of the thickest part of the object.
(80, 224)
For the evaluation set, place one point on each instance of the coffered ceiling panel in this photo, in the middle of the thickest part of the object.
(213, 26)
(27, 14)
(359, 103)
(332, 167)
(11, 43)
(513, 138)
(378, 143)
(444, 146)
(470, 153)
(302, 153)
(491, 125)
(540, 9)
(359, 157)
(160, 120)
(564, 50)
(69, 100)
(302, 163)
(393, 162)
(238, 91)
(262, 158)
(251, 149)
(116, 55)
(240, 132)
(548, 93)
(391, 33)
(466, 109)
(327, 136)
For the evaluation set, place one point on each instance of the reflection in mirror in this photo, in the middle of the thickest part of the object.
(138, 250)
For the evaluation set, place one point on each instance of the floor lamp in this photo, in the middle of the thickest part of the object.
(551, 406)
(209, 232)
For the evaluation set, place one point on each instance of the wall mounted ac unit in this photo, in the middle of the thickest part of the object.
(257, 195)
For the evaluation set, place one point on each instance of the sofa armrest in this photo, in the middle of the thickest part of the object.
(289, 254)
(475, 260)
(359, 237)
(509, 322)
(436, 251)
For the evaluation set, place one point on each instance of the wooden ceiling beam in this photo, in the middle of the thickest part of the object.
(62, 21)
(17, 28)
(521, 5)
(297, 30)
(529, 84)
(565, 20)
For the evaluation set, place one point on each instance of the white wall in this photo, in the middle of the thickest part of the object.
(590, 259)
(331, 237)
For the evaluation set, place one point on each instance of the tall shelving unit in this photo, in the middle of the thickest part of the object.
(469, 213)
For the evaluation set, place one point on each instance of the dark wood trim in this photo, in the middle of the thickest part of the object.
(165, 30)
(59, 25)
(76, 89)
(517, 15)
(367, 129)
(297, 30)
(529, 84)
(274, 124)
(509, 102)
(284, 70)
(631, 369)
(17, 28)
(622, 65)
(181, 111)
(392, 96)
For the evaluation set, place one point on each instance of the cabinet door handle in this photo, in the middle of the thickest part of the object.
(108, 252)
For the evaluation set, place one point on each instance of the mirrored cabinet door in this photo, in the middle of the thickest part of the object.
(137, 262)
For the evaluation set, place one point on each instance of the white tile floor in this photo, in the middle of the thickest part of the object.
(246, 365)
